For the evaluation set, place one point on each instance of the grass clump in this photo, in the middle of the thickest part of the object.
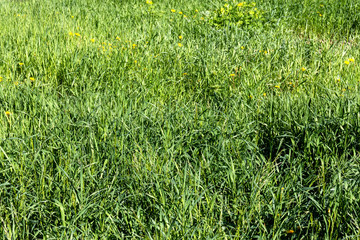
(243, 14)
(145, 120)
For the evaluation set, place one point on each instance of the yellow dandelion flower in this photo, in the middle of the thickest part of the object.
(134, 45)
(149, 2)
(265, 52)
(16, 83)
(7, 113)
(251, 97)
(77, 34)
(180, 13)
(92, 40)
(264, 94)
(180, 45)
(1, 78)
(242, 47)
(118, 38)
(196, 10)
(72, 16)
(347, 62)
(232, 75)
(173, 10)
(135, 61)
(21, 64)
(240, 4)
(320, 14)
(71, 33)
(277, 86)
(184, 74)
(202, 18)
(351, 59)
(180, 37)
(32, 79)
(290, 231)
(303, 69)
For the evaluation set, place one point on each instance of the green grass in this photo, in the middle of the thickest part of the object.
(110, 129)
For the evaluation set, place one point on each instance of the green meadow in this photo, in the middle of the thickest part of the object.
(124, 119)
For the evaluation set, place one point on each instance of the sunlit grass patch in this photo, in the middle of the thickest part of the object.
(165, 119)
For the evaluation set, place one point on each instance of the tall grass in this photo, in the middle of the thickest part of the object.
(111, 129)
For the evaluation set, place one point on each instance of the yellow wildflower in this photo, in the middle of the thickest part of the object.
(21, 64)
(251, 97)
(242, 47)
(92, 40)
(202, 18)
(264, 94)
(118, 38)
(72, 16)
(77, 34)
(277, 86)
(351, 60)
(16, 83)
(7, 113)
(232, 75)
(32, 79)
(134, 45)
(149, 2)
(347, 62)
(303, 69)
(240, 4)
(1, 78)
(290, 231)
(180, 37)
(173, 10)
(71, 33)
(185, 74)
(180, 13)
(180, 45)
(196, 10)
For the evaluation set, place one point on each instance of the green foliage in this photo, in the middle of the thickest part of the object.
(243, 14)
(337, 19)
(139, 120)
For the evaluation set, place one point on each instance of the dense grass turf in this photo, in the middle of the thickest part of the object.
(135, 119)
